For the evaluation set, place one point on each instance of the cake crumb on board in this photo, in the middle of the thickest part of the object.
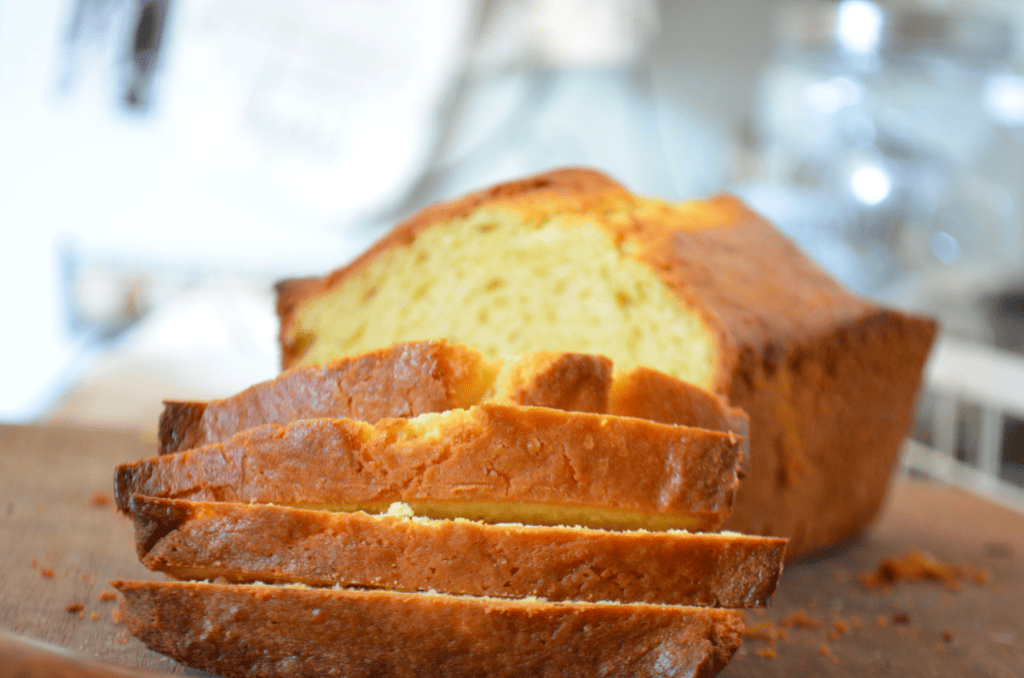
(101, 499)
(918, 565)
(801, 619)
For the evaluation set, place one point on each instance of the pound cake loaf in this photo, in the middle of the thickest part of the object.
(397, 551)
(408, 379)
(526, 464)
(289, 632)
(707, 292)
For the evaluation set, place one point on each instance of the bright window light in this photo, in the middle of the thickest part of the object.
(1004, 99)
(871, 185)
(860, 26)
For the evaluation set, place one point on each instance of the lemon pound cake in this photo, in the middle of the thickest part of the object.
(293, 632)
(707, 292)
(492, 462)
(276, 544)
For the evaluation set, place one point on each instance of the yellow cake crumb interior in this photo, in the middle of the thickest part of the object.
(508, 282)
(531, 513)
(475, 377)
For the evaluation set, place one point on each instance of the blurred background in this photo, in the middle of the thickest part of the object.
(163, 162)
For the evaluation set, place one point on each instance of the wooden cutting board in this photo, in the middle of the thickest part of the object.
(61, 542)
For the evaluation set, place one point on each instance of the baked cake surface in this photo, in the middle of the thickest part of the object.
(399, 551)
(246, 630)
(491, 462)
(408, 379)
(705, 291)
(404, 380)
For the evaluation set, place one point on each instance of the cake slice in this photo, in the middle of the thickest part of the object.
(412, 378)
(650, 394)
(705, 291)
(288, 632)
(277, 544)
(574, 382)
(585, 383)
(491, 462)
(404, 380)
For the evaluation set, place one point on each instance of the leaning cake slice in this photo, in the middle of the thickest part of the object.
(397, 551)
(243, 630)
(491, 462)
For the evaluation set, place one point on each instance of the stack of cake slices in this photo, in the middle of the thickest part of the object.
(420, 511)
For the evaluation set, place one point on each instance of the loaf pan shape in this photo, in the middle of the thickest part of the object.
(286, 632)
(706, 291)
(545, 465)
(277, 544)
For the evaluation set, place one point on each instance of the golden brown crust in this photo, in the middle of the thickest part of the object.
(825, 437)
(181, 426)
(404, 380)
(829, 415)
(274, 544)
(753, 286)
(240, 630)
(650, 394)
(575, 382)
(491, 452)
(412, 378)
